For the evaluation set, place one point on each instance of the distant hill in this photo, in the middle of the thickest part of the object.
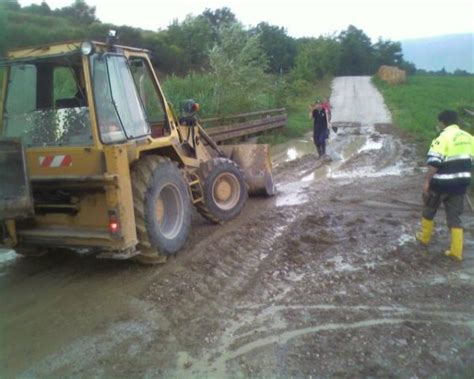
(452, 52)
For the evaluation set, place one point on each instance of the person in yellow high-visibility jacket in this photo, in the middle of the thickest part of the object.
(449, 175)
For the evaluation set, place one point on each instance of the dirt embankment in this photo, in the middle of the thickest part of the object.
(324, 280)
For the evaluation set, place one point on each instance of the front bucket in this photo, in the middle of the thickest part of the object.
(255, 162)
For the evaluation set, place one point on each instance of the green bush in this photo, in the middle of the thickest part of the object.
(272, 92)
(299, 96)
(204, 88)
(193, 86)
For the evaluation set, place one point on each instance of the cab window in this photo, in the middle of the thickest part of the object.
(146, 88)
(118, 105)
(45, 104)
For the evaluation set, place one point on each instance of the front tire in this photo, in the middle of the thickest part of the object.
(224, 190)
(162, 208)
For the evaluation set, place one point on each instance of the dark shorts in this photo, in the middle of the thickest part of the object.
(453, 205)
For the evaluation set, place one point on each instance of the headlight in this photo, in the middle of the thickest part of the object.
(87, 48)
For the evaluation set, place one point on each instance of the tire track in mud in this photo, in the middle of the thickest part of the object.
(236, 254)
(285, 336)
(271, 327)
(281, 273)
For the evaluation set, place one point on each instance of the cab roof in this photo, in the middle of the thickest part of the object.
(62, 48)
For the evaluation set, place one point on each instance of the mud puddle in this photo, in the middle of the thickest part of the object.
(7, 257)
(354, 152)
(292, 150)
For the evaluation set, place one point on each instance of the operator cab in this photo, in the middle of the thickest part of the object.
(50, 100)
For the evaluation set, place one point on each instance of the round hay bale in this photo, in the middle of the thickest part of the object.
(392, 75)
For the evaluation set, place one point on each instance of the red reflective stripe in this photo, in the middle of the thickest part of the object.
(47, 161)
(66, 161)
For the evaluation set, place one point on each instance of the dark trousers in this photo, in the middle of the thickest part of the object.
(453, 205)
(320, 136)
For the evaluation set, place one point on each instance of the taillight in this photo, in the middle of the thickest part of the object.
(114, 223)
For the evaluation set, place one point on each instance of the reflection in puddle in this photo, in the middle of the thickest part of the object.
(292, 153)
(308, 178)
(405, 238)
(366, 172)
(465, 277)
(348, 147)
(340, 265)
(290, 194)
(292, 150)
(339, 147)
(7, 256)
(438, 279)
(371, 145)
(294, 277)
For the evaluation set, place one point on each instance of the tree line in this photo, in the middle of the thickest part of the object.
(199, 43)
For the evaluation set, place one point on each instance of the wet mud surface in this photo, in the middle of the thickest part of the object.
(323, 280)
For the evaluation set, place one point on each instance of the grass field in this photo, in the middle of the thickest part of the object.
(416, 104)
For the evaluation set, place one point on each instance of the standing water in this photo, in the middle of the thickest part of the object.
(7, 256)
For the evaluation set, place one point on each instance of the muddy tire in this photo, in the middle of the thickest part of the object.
(162, 208)
(224, 190)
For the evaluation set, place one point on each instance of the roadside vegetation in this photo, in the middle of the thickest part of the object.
(226, 67)
(416, 104)
(299, 96)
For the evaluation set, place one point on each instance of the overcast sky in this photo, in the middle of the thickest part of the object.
(389, 19)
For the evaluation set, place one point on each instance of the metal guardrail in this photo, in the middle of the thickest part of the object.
(469, 112)
(246, 124)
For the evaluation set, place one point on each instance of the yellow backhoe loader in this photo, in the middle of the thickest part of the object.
(92, 156)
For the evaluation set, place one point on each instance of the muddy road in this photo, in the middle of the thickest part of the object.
(323, 280)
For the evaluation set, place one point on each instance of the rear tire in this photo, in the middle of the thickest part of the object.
(162, 208)
(224, 190)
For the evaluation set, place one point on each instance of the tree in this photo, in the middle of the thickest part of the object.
(316, 58)
(277, 45)
(79, 11)
(459, 72)
(387, 53)
(356, 53)
(42, 9)
(442, 72)
(409, 67)
(193, 37)
(11, 5)
(238, 65)
(218, 19)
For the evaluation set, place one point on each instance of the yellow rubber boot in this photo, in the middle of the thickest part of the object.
(457, 241)
(424, 236)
